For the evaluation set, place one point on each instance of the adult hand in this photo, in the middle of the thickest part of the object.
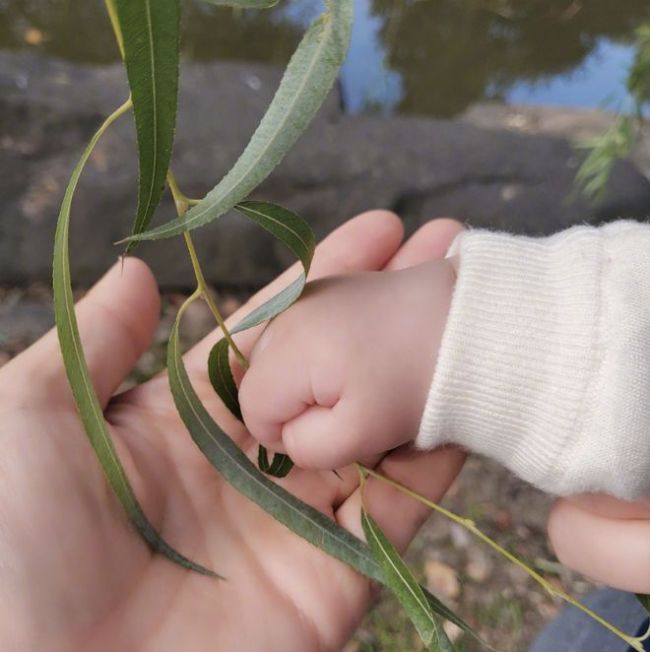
(604, 538)
(75, 576)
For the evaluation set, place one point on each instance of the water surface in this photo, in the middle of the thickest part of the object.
(433, 57)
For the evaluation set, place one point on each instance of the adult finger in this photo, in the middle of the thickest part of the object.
(430, 242)
(117, 320)
(429, 474)
(611, 550)
(608, 506)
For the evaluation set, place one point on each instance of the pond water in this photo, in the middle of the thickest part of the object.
(433, 57)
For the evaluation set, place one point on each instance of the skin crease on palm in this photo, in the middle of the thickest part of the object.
(73, 574)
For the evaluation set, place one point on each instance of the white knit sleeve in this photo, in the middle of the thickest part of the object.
(545, 359)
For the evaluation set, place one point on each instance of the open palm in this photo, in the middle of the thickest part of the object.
(74, 575)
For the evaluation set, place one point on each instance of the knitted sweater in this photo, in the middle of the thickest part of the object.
(545, 359)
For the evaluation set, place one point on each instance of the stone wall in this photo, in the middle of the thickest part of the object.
(480, 168)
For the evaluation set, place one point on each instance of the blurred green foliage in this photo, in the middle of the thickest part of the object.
(619, 140)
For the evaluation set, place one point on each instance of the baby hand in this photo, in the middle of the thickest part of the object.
(344, 373)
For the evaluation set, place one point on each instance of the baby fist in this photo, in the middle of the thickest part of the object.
(344, 373)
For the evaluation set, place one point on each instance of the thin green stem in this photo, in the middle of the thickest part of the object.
(180, 200)
(634, 642)
(181, 206)
(191, 299)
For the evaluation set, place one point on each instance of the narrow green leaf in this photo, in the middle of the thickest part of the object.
(304, 86)
(76, 368)
(244, 4)
(285, 225)
(241, 473)
(222, 379)
(151, 32)
(278, 468)
(273, 307)
(296, 234)
(644, 600)
(401, 582)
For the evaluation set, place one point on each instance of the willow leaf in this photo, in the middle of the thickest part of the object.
(285, 225)
(222, 379)
(273, 307)
(278, 468)
(307, 80)
(233, 465)
(151, 33)
(224, 385)
(645, 601)
(76, 368)
(244, 4)
(404, 586)
(298, 236)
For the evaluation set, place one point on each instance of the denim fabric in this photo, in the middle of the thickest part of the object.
(574, 631)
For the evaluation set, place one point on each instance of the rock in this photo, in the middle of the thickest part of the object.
(421, 168)
(572, 124)
(437, 531)
(24, 320)
(441, 579)
(518, 577)
(522, 532)
(460, 537)
(49, 110)
(479, 566)
(503, 519)
(453, 631)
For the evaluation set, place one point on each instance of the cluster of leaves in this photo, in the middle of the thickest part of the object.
(604, 150)
(148, 36)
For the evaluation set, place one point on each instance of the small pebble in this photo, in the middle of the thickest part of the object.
(453, 631)
(460, 537)
(479, 567)
(441, 579)
(503, 519)
(33, 36)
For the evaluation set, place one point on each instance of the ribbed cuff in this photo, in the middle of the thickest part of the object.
(544, 362)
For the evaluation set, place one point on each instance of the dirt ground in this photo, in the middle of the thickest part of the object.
(498, 599)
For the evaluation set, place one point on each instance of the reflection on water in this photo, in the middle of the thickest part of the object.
(421, 56)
